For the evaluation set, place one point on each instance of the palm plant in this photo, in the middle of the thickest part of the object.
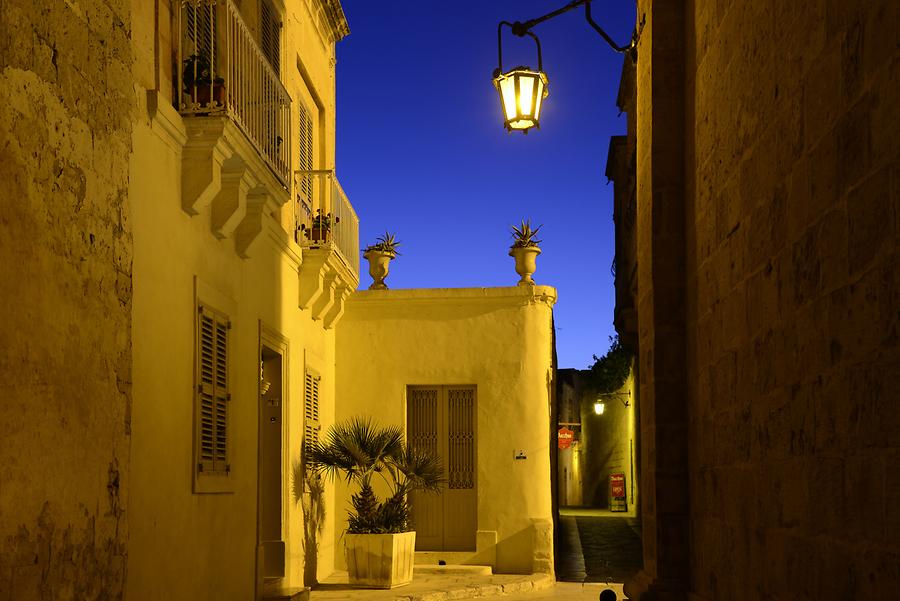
(359, 450)
(523, 236)
(387, 244)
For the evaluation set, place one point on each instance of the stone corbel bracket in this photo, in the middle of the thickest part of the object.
(341, 293)
(325, 284)
(223, 171)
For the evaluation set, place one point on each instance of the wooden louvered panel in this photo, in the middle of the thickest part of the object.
(305, 139)
(200, 26)
(212, 392)
(270, 35)
(207, 433)
(311, 408)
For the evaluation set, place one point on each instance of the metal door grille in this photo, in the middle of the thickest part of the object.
(461, 434)
(423, 425)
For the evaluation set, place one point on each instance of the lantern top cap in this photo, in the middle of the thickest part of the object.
(523, 70)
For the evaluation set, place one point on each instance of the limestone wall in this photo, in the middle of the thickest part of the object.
(66, 290)
(793, 296)
(498, 339)
(768, 144)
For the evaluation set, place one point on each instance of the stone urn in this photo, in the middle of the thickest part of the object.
(379, 262)
(526, 262)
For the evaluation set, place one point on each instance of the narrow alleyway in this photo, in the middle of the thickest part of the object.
(597, 547)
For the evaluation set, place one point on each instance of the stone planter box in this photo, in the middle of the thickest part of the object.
(380, 560)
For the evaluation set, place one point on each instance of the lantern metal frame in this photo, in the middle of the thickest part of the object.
(521, 29)
(539, 89)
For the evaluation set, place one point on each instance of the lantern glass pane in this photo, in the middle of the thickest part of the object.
(508, 93)
(526, 94)
(540, 98)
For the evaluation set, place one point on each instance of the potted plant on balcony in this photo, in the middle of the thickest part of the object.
(319, 229)
(378, 543)
(525, 250)
(379, 256)
(198, 82)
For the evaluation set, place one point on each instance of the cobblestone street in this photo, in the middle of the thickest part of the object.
(597, 547)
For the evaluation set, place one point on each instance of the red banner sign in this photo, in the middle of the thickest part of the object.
(617, 486)
(565, 437)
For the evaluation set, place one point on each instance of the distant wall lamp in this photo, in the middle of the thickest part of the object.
(522, 89)
(600, 403)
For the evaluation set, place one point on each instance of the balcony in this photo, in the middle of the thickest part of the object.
(324, 216)
(223, 70)
(327, 229)
(236, 113)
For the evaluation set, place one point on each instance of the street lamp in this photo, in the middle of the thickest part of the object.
(522, 89)
(600, 403)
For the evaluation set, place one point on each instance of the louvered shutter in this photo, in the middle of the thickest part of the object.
(305, 152)
(198, 35)
(311, 409)
(270, 35)
(212, 392)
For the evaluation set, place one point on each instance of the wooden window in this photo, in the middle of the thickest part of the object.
(311, 408)
(270, 34)
(305, 151)
(212, 394)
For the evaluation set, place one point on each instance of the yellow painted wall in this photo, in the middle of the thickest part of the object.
(203, 546)
(496, 338)
(609, 445)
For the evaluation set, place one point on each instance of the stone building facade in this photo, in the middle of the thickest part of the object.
(66, 285)
(767, 139)
(176, 255)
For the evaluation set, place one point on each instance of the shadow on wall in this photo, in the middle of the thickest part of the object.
(597, 483)
(312, 501)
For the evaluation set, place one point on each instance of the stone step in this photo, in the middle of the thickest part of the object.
(298, 593)
(455, 569)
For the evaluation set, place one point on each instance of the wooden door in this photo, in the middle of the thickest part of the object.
(442, 420)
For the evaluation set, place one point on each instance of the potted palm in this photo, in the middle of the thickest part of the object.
(379, 543)
(525, 250)
(379, 256)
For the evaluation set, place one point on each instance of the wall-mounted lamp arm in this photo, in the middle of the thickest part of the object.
(523, 28)
(618, 396)
(519, 29)
(520, 34)
(631, 48)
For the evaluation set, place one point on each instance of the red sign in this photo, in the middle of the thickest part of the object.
(565, 437)
(617, 486)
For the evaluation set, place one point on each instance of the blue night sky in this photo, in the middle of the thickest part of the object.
(421, 150)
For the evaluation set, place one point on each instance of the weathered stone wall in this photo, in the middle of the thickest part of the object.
(792, 286)
(65, 292)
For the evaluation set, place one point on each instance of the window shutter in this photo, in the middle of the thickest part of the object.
(306, 152)
(311, 409)
(270, 35)
(212, 392)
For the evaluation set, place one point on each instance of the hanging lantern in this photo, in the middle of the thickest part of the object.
(522, 91)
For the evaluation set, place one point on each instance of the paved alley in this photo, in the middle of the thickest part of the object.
(597, 547)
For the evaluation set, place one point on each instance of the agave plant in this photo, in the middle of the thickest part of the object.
(524, 235)
(360, 450)
(386, 243)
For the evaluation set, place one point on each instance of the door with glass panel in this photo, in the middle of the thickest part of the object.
(441, 419)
